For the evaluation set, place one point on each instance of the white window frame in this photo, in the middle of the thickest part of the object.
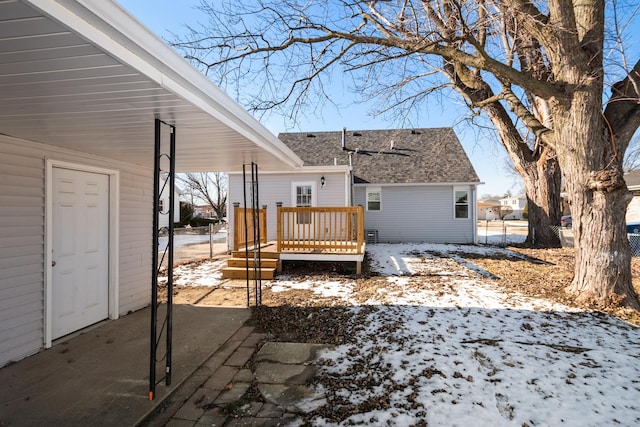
(294, 194)
(295, 185)
(370, 190)
(456, 204)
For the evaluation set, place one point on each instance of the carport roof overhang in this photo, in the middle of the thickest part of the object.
(86, 76)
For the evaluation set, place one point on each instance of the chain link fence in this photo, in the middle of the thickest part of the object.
(502, 233)
(566, 239)
(195, 243)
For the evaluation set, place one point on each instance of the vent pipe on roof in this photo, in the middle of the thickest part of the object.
(392, 145)
(344, 138)
(335, 161)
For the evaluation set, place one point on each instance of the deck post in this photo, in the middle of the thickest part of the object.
(236, 217)
(279, 218)
(360, 225)
(263, 225)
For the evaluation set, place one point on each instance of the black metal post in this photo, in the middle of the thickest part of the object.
(172, 188)
(157, 262)
(257, 277)
(246, 232)
(154, 271)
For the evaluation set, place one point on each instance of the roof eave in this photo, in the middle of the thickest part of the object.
(162, 64)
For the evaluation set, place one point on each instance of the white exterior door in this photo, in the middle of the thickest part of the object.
(80, 250)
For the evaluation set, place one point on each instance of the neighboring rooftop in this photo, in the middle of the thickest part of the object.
(632, 179)
(388, 156)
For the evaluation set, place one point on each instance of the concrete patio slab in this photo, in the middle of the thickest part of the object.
(100, 377)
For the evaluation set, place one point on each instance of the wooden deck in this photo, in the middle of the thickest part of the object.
(321, 230)
(309, 234)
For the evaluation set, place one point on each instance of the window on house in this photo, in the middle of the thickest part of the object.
(303, 198)
(374, 199)
(462, 204)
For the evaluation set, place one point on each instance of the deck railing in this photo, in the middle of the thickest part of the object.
(240, 232)
(321, 229)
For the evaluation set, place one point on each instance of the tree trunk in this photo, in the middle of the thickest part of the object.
(598, 198)
(540, 172)
(542, 182)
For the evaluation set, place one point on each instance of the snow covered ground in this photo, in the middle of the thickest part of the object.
(493, 237)
(441, 344)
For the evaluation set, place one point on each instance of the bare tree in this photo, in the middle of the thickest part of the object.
(504, 211)
(632, 156)
(210, 187)
(536, 69)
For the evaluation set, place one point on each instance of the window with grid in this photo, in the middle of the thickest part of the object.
(461, 204)
(304, 198)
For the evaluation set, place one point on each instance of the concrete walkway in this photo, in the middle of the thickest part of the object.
(245, 383)
(100, 377)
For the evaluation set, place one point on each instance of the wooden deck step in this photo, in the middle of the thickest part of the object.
(263, 254)
(242, 262)
(266, 273)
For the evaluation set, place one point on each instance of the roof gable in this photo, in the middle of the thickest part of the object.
(392, 156)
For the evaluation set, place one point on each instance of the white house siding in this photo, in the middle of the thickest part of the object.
(633, 210)
(274, 188)
(163, 219)
(517, 204)
(22, 218)
(418, 214)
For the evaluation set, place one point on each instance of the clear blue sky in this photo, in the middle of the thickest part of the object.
(488, 157)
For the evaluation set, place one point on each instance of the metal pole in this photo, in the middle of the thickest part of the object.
(255, 228)
(246, 231)
(210, 240)
(172, 188)
(258, 278)
(486, 232)
(154, 272)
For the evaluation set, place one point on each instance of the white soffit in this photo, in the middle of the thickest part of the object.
(86, 76)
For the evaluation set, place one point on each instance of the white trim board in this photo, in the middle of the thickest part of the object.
(284, 256)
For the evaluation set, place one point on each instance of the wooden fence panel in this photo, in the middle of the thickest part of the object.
(240, 231)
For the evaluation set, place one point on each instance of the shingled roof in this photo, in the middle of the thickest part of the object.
(388, 156)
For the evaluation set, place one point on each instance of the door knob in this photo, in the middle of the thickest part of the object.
(53, 263)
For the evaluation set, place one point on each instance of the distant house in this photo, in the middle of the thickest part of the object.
(165, 201)
(489, 209)
(416, 185)
(204, 211)
(633, 184)
(517, 203)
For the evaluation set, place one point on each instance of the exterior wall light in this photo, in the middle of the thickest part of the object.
(322, 181)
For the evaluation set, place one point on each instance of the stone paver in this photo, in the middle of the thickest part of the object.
(179, 423)
(221, 378)
(240, 357)
(287, 352)
(232, 394)
(244, 376)
(271, 391)
(280, 373)
(214, 417)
